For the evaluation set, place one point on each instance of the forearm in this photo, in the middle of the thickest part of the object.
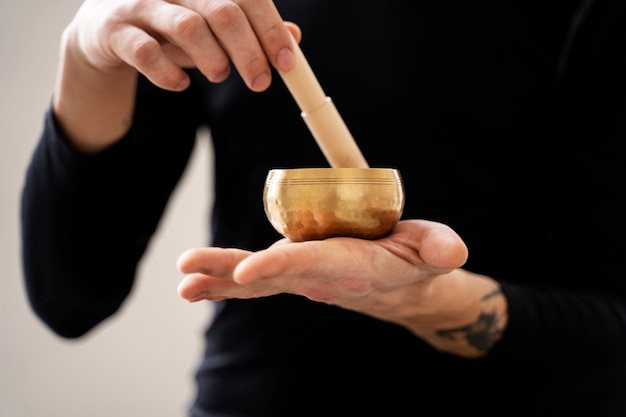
(87, 218)
(464, 314)
(93, 108)
(74, 226)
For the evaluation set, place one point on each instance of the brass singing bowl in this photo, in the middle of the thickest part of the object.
(319, 203)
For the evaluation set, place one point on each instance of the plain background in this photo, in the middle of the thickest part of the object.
(140, 362)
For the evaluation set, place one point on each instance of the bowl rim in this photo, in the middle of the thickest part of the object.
(333, 175)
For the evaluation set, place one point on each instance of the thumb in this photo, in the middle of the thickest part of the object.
(427, 242)
(295, 30)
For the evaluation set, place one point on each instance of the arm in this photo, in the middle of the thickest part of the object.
(87, 217)
(108, 43)
(411, 278)
(558, 298)
(114, 146)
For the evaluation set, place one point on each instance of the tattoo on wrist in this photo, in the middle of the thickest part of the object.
(483, 332)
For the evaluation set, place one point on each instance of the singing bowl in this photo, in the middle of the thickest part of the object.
(319, 203)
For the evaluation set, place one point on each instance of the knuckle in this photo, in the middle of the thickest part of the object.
(273, 31)
(189, 25)
(145, 50)
(114, 20)
(225, 14)
(122, 12)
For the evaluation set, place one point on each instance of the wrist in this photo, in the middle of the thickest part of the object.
(462, 313)
(93, 106)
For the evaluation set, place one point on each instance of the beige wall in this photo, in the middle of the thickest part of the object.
(141, 362)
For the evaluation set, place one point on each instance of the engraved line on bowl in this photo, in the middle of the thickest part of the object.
(304, 181)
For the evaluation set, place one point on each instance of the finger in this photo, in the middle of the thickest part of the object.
(217, 262)
(313, 260)
(427, 242)
(196, 287)
(272, 32)
(232, 27)
(295, 31)
(188, 30)
(141, 51)
(236, 39)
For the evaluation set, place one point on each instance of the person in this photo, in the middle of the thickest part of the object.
(501, 291)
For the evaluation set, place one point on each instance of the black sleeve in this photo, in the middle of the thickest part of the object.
(579, 319)
(582, 313)
(87, 218)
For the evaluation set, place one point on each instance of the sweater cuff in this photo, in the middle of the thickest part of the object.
(65, 153)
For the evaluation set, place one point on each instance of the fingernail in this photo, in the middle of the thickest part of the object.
(182, 84)
(285, 59)
(261, 82)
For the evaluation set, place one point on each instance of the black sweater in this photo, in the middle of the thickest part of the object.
(506, 120)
